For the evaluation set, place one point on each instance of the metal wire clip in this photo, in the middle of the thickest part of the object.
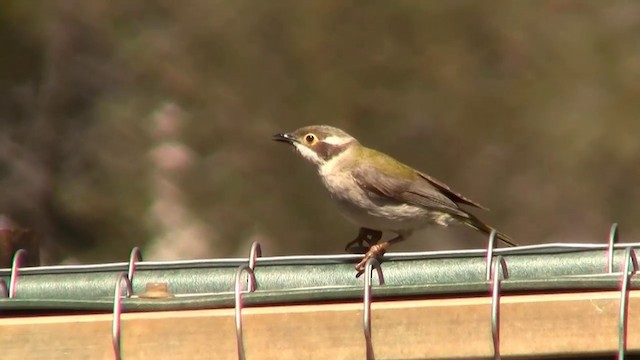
(134, 257)
(495, 302)
(117, 311)
(489, 257)
(613, 239)
(255, 252)
(18, 259)
(367, 299)
(629, 257)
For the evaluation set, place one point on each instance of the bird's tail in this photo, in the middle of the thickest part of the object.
(477, 224)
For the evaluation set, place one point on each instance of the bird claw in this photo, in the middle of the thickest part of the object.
(361, 265)
(356, 245)
(356, 248)
(375, 252)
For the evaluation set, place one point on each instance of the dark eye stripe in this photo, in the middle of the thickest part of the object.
(327, 151)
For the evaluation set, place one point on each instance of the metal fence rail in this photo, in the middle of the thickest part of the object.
(143, 286)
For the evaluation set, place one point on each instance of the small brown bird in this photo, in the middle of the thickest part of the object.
(377, 192)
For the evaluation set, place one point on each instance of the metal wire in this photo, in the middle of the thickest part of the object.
(237, 290)
(135, 256)
(254, 254)
(629, 257)
(542, 249)
(495, 302)
(18, 259)
(613, 239)
(489, 257)
(367, 299)
(117, 311)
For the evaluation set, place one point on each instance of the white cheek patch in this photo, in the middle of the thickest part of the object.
(337, 140)
(327, 167)
(308, 154)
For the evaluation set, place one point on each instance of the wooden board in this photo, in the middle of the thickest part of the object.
(531, 325)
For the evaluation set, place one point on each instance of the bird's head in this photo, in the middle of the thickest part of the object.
(318, 143)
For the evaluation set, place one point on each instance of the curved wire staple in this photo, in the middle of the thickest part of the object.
(117, 311)
(495, 302)
(18, 259)
(489, 256)
(613, 239)
(629, 257)
(134, 257)
(254, 254)
(367, 298)
(237, 290)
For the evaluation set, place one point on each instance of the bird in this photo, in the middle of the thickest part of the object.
(378, 193)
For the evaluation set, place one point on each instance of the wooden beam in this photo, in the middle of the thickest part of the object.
(531, 325)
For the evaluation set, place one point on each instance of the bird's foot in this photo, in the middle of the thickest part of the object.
(357, 246)
(375, 252)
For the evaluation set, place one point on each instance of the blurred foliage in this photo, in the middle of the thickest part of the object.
(530, 108)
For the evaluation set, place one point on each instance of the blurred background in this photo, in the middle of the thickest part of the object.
(149, 123)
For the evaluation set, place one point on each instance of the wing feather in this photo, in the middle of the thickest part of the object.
(413, 190)
(456, 197)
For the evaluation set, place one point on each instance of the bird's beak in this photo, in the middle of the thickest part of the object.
(286, 138)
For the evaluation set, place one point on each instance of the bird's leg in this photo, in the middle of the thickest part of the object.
(371, 237)
(376, 251)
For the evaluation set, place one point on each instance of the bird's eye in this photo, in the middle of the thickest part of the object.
(310, 138)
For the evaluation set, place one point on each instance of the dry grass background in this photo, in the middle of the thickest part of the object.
(530, 108)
